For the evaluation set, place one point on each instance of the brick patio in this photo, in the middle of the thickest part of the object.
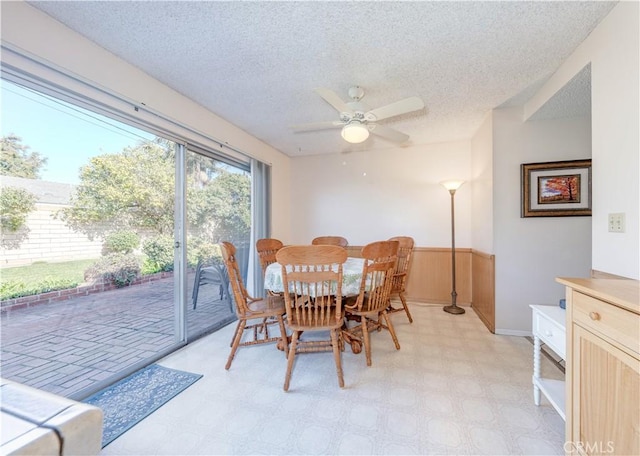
(73, 347)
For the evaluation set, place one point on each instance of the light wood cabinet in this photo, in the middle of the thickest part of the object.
(603, 366)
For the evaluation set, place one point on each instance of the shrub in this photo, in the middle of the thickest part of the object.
(15, 205)
(159, 254)
(117, 268)
(121, 242)
(54, 284)
(11, 289)
(200, 249)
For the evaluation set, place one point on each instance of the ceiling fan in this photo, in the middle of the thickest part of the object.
(357, 120)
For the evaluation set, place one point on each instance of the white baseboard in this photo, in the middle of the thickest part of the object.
(512, 332)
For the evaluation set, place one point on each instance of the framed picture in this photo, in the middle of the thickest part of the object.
(556, 189)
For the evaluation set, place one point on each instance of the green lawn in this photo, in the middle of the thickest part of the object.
(38, 272)
(42, 276)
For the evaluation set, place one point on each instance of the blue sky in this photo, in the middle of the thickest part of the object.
(67, 135)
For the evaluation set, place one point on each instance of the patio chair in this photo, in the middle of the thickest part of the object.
(210, 272)
(369, 307)
(330, 240)
(268, 311)
(312, 278)
(401, 274)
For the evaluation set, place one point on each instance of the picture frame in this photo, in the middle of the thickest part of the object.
(556, 189)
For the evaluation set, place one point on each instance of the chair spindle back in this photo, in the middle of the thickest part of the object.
(330, 240)
(377, 276)
(267, 249)
(405, 250)
(312, 279)
(240, 294)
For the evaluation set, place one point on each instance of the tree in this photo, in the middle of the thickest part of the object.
(134, 190)
(17, 160)
(130, 190)
(228, 205)
(15, 205)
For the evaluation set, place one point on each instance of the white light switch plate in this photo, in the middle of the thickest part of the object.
(616, 223)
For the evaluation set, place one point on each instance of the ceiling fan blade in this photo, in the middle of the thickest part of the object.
(388, 133)
(334, 100)
(318, 125)
(395, 109)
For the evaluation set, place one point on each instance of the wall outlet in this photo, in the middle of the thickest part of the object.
(616, 223)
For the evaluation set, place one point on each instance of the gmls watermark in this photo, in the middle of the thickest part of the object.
(589, 447)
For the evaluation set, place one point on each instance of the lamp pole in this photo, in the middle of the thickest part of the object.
(452, 186)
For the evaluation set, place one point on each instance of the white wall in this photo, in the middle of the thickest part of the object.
(482, 187)
(616, 145)
(368, 196)
(39, 35)
(613, 49)
(532, 252)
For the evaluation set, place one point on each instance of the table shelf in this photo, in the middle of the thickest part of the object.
(549, 328)
(553, 390)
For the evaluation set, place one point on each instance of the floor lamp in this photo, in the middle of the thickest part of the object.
(452, 186)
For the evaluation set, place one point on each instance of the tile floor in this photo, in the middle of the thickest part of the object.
(453, 388)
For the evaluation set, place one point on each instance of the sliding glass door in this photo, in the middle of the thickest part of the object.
(218, 207)
(95, 282)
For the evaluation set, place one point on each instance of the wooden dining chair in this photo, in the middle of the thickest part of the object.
(312, 279)
(267, 249)
(268, 311)
(330, 240)
(370, 306)
(401, 274)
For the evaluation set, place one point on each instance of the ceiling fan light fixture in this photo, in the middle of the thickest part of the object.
(355, 132)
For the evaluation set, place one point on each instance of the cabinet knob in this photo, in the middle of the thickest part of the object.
(548, 333)
(594, 315)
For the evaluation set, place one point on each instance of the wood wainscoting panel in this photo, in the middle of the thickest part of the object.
(430, 276)
(430, 279)
(483, 287)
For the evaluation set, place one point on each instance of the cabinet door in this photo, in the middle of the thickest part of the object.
(606, 397)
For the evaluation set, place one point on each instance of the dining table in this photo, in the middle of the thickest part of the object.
(351, 277)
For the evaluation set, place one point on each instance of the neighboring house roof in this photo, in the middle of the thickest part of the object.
(45, 191)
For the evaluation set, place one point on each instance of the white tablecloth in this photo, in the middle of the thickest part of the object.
(351, 277)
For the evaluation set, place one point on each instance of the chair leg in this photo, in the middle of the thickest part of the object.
(366, 338)
(283, 333)
(406, 307)
(290, 358)
(236, 341)
(235, 334)
(390, 328)
(196, 288)
(336, 355)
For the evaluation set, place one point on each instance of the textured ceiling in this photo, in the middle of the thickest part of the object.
(256, 63)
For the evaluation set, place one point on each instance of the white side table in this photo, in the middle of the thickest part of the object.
(549, 328)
